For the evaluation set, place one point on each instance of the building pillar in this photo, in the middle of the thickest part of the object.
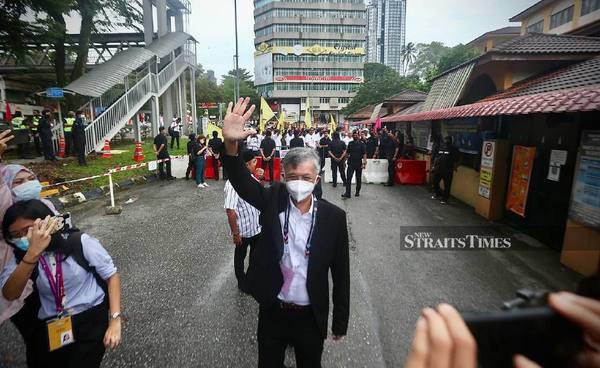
(167, 100)
(184, 101)
(178, 21)
(137, 132)
(155, 115)
(148, 22)
(194, 107)
(161, 17)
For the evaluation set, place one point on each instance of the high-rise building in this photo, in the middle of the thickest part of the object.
(386, 32)
(309, 49)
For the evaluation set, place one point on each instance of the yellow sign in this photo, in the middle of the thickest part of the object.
(265, 48)
(485, 177)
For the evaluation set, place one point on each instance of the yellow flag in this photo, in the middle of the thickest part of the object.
(332, 125)
(281, 124)
(266, 114)
(307, 116)
(211, 127)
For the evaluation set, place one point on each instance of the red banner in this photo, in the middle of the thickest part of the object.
(520, 176)
(318, 78)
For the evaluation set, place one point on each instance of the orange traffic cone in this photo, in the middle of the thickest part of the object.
(61, 147)
(138, 154)
(106, 150)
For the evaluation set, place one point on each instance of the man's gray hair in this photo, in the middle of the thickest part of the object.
(299, 155)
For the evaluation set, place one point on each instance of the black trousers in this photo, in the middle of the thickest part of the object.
(175, 137)
(215, 165)
(335, 166)
(28, 325)
(278, 328)
(240, 256)
(68, 144)
(38, 144)
(352, 170)
(48, 148)
(80, 152)
(268, 164)
(88, 349)
(446, 176)
(191, 165)
(161, 167)
(391, 170)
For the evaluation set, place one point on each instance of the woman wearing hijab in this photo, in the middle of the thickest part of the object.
(18, 183)
(76, 283)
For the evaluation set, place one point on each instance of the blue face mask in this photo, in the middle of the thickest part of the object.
(28, 190)
(21, 243)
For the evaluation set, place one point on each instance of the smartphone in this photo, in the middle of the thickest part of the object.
(538, 333)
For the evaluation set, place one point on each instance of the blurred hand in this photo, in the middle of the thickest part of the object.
(260, 172)
(237, 239)
(5, 136)
(442, 339)
(236, 117)
(336, 337)
(112, 337)
(39, 235)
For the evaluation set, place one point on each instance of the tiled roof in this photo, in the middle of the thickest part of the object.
(363, 113)
(582, 74)
(446, 90)
(540, 5)
(408, 95)
(570, 100)
(418, 107)
(537, 43)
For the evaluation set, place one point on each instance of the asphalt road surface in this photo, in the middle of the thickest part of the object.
(175, 257)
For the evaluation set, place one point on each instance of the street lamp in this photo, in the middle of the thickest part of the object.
(236, 88)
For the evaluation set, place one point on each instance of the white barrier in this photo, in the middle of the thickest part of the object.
(376, 171)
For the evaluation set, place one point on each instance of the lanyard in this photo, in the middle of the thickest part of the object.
(56, 284)
(286, 226)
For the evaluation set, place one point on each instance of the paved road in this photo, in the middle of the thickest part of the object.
(173, 251)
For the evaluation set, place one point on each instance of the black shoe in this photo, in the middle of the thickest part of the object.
(435, 197)
(444, 201)
(389, 185)
(357, 194)
(346, 196)
(171, 178)
(335, 185)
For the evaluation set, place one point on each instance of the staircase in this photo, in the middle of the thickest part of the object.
(107, 124)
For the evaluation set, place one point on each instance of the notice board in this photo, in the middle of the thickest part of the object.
(520, 177)
(585, 196)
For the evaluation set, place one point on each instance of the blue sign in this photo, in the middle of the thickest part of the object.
(55, 92)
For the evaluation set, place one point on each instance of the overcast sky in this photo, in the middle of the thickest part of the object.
(448, 21)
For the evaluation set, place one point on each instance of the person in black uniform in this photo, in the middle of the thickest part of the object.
(337, 152)
(324, 148)
(296, 141)
(215, 145)
(445, 164)
(68, 123)
(45, 132)
(357, 160)
(162, 152)
(191, 151)
(267, 152)
(35, 124)
(79, 138)
(388, 150)
(372, 144)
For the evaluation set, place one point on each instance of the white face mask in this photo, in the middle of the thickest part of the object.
(299, 189)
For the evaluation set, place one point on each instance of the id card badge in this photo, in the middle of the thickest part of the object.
(60, 333)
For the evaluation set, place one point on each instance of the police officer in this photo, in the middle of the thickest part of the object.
(388, 150)
(324, 143)
(337, 153)
(445, 164)
(79, 138)
(68, 129)
(357, 160)
(372, 144)
(35, 123)
(45, 132)
(20, 131)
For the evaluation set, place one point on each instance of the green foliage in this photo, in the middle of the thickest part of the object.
(435, 58)
(380, 83)
(455, 56)
(247, 88)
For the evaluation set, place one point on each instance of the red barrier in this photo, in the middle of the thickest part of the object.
(276, 168)
(411, 172)
(209, 173)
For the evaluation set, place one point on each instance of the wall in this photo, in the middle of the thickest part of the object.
(465, 185)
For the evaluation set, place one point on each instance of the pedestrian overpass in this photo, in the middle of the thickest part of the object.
(120, 87)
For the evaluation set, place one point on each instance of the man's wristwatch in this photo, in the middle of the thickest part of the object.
(115, 315)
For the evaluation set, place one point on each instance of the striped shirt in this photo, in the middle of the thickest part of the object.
(247, 216)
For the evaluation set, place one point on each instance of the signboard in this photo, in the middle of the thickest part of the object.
(316, 49)
(465, 136)
(292, 112)
(585, 196)
(520, 177)
(421, 132)
(318, 78)
(488, 153)
(263, 69)
(55, 92)
(208, 105)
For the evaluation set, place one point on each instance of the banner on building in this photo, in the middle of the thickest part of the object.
(520, 177)
(319, 78)
(585, 197)
(263, 69)
(316, 49)
(292, 112)
(465, 136)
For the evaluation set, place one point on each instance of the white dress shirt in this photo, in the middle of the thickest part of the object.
(288, 139)
(247, 216)
(347, 140)
(294, 262)
(277, 139)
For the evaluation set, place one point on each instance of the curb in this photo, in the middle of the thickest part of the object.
(101, 192)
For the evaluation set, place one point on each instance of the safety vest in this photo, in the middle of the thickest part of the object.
(36, 122)
(18, 123)
(69, 124)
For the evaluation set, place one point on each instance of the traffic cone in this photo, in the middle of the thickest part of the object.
(138, 154)
(106, 150)
(61, 147)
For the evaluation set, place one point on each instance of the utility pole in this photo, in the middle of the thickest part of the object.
(236, 88)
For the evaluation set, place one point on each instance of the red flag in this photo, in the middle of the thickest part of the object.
(7, 114)
(377, 124)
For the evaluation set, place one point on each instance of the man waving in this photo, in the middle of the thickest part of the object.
(302, 239)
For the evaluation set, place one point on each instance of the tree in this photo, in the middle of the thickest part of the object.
(247, 88)
(382, 82)
(426, 59)
(409, 52)
(455, 56)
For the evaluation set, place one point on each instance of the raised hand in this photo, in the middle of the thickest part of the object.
(39, 235)
(5, 136)
(236, 117)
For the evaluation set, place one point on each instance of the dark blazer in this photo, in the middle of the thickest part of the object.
(329, 250)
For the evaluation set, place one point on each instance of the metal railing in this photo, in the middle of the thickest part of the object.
(57, 132)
